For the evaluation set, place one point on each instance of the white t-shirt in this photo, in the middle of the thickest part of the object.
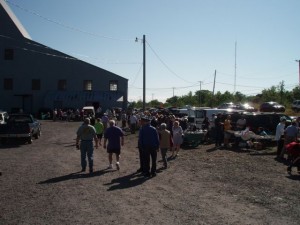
(133, 119)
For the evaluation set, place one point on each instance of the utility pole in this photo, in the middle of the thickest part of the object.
(298, 61)
(213, 94)
(144, 73)
(214, 82)
(200, 94)
(144, 70)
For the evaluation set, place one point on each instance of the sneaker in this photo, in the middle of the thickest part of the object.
(83, 170)
(118, 165)
(91, 170)
(110, 166)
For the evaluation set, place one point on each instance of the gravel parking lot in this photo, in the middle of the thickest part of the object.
(41, 183)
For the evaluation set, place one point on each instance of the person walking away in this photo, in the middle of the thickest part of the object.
(99, 130)
(149, 143)
(142, 164)
(227, 127)
(124, 119)
(104, 120)
(279, 136)
(133, 123)
(290, 135)
(177, 138)
(164, 143)
(85, 134)
(212, 127)
(219, 130)
(115, 138)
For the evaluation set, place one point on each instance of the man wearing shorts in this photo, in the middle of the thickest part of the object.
(115, 137)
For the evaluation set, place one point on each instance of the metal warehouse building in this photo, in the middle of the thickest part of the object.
(34, 76)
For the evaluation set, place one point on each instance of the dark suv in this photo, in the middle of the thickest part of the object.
(268, 121)
(271, 107)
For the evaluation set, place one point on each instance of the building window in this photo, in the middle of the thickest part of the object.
(36, 84)
(87, 85)
(113, 85)
(8, 54)
(8, 84)
(62, 85)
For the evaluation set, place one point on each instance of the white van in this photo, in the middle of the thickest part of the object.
(196, 115)
(88, 111)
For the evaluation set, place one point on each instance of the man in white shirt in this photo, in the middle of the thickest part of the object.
(279, 136)
(133, 123)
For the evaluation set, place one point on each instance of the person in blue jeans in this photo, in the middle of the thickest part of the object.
(85, 134)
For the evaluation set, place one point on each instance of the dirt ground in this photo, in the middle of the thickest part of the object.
(41, 184)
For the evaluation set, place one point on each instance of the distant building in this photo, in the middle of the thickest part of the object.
(34, 76)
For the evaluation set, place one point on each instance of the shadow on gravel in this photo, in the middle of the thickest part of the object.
(128, 181)
(7, 146)
(71, 176)
(294, 177)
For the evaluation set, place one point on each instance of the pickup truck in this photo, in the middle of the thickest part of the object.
(22, 126)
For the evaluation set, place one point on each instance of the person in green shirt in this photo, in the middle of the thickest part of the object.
(99, 130)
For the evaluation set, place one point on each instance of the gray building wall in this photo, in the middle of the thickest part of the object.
(32, 60)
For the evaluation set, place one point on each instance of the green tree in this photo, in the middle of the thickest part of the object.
(239, 97)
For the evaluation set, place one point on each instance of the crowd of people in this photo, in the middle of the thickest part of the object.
(164, 133)
(156, 133)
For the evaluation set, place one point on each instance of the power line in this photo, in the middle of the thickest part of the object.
(168, 68)
(136, 76)
(62, 24)
(252, 77)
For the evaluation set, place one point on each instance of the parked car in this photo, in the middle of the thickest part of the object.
(20, 126)
(246, 106)
(296, 105)
(228, 105)
(271, 107)
(239, 106)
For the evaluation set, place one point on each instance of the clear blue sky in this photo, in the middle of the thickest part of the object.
(187, 40)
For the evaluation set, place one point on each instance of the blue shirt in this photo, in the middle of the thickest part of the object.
(291, 131)
(113, 135)
(148, 137)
